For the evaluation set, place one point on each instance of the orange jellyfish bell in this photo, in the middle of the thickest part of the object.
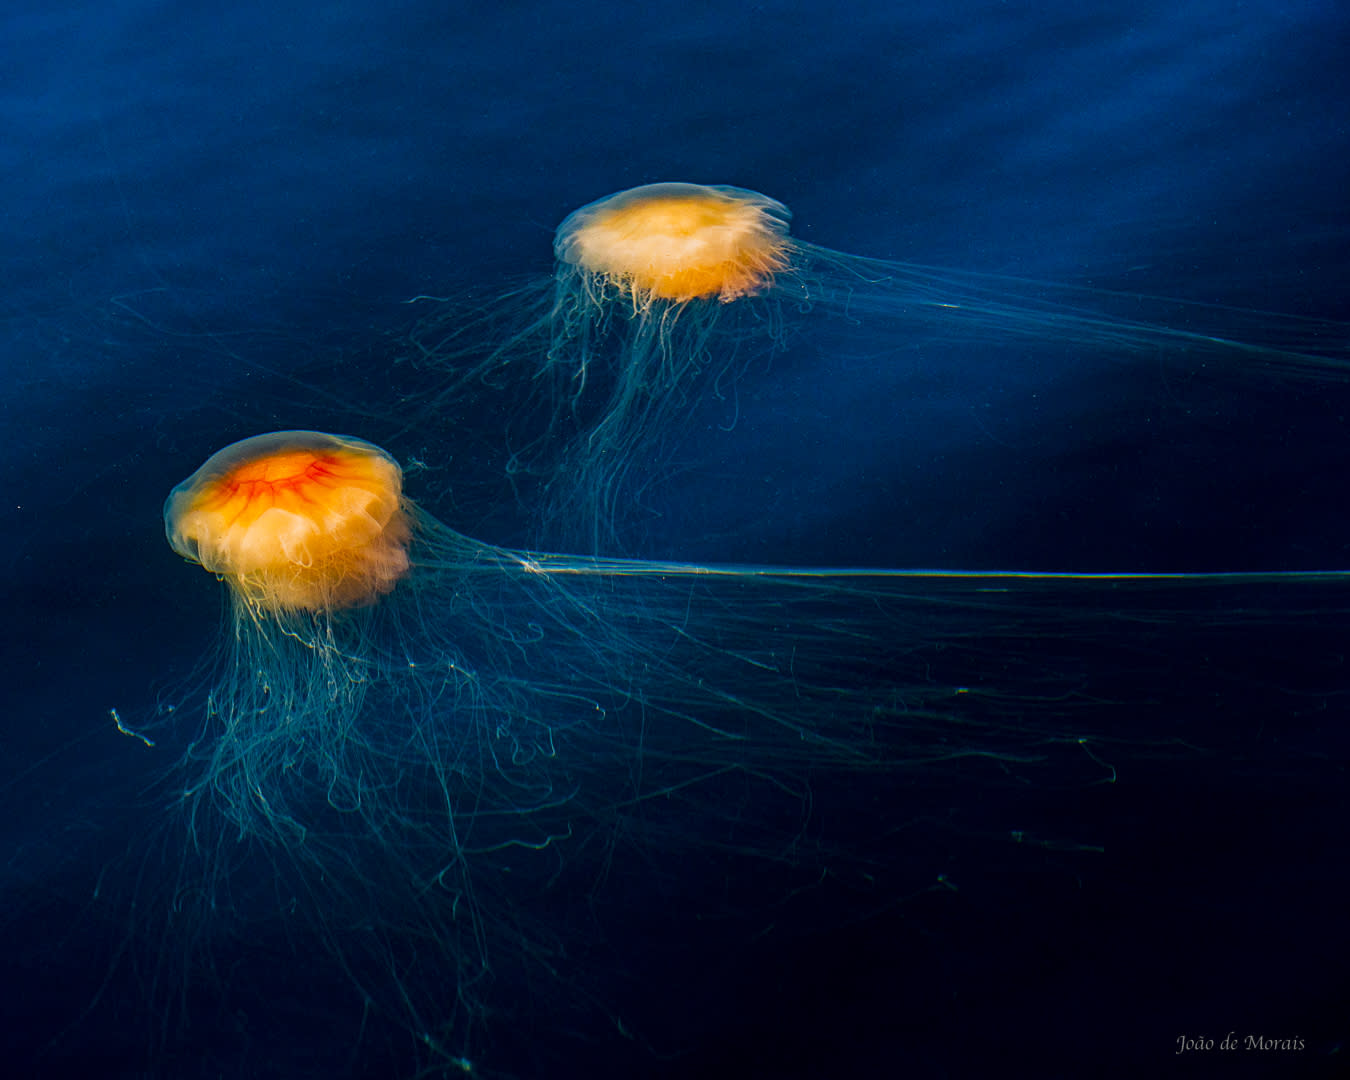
(679, 242)
(295, 520)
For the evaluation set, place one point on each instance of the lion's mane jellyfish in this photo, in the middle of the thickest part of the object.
(662, 297)
(308, 531)
(436, 752)
(677, 243)
(602, 359)
(295, 520)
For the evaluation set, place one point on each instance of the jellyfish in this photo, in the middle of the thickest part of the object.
(294, 520)
(444, 756)
(677, 243)
(664, 296)
(436, 762)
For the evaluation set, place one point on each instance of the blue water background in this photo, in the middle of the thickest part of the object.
(203, 204)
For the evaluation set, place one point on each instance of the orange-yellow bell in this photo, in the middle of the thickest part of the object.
(679, 242)
(295, 520)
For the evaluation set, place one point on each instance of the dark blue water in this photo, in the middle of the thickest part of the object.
(214, 217)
